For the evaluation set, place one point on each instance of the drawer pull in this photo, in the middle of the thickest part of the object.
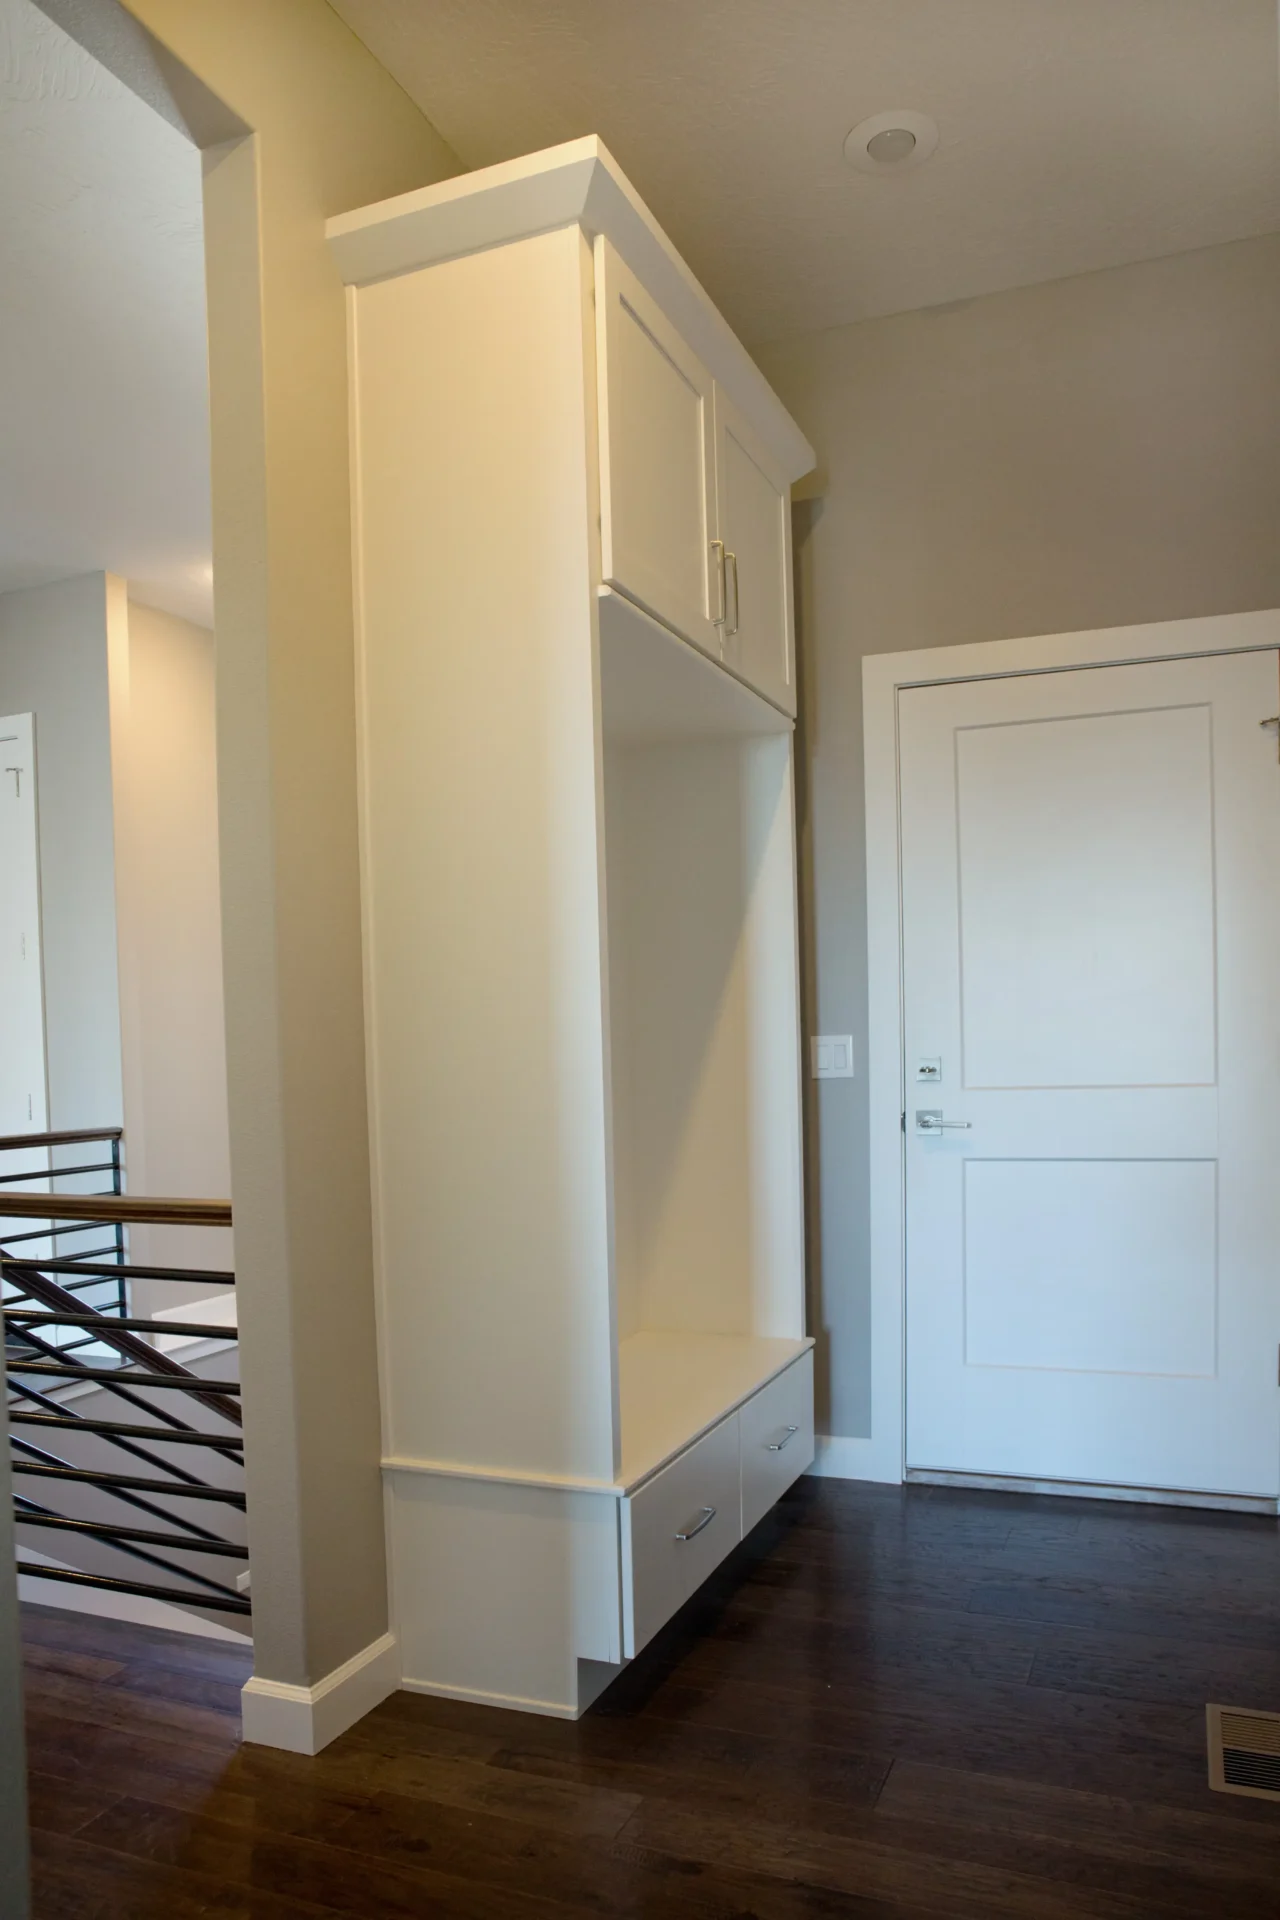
(692, 1528)
(776, 1446)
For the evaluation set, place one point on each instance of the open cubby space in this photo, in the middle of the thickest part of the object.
(704, 1069)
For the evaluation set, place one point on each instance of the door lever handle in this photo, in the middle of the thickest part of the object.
(930, 1120)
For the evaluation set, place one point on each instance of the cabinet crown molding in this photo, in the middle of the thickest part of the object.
(579, 182)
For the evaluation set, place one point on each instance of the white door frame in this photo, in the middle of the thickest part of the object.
(884, 675)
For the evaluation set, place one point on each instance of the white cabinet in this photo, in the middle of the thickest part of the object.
(776, 1434)
(657, 459)
(753, 522)
(695, 508)
(578, 880)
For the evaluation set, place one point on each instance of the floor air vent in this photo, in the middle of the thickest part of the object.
(1244, 1752)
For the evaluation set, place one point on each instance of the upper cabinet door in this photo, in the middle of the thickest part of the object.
(755, 526)
(657, 472)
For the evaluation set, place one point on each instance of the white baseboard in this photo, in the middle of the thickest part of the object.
(839, 1458)
(306, 1719)
(514, 1702)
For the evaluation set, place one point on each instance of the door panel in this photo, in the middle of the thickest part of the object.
(657, 489)
(1125, 1274)
(1087, 929)
(754, 502)
(1091, 937)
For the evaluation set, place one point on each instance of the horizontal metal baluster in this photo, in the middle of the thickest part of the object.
(108, 1530)
(221, 1599)
(105, 1377)
(131, 1271)
(50, 1465)
(182, 1328)
(110, 1382)
(114, 1429)
(29, 1509)
(56, 1418)
(62, 1173)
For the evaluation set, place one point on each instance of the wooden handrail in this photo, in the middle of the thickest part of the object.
(124, 1208)
(12, 1141)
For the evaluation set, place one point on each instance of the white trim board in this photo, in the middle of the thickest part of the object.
(1090, 1490)
(883, 676)
(512, 1702)
(306, 1719)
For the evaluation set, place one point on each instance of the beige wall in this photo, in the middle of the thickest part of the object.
(175, 1093)
(1092, 452)
(330, 131)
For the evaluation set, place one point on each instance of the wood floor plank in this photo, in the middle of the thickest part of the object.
(559, 1805)
(888, 1704)
(325, 1875)
(64, 1806)
(74, 1880)
(941, 1884)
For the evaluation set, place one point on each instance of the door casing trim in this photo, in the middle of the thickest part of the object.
(884, 677)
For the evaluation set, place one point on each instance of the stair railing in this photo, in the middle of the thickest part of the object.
(61, 1349)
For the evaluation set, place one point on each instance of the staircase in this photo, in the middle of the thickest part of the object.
(128, 1463)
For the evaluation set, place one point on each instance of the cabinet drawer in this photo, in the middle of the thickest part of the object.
(776, 1427)
(697, 1496)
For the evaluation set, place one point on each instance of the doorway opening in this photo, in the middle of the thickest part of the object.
(120, 1316)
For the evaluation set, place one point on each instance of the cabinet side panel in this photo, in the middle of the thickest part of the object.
(774, 1048)
(500, 1590)
(480, 853)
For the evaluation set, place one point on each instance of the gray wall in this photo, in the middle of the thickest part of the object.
(13, 1767)
(54, 664)
(1083, 454)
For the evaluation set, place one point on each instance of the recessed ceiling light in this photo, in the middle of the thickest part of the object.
(895, 142)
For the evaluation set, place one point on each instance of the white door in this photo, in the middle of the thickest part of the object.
(657, 473)
(1091, 925)
(754, 523)
(22, 1048)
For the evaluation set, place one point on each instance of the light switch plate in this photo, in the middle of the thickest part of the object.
(831, 1055)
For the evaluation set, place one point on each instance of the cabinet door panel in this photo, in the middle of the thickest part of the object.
(776, 1427)
(755, 525)
(677, 1529)
(657, 505)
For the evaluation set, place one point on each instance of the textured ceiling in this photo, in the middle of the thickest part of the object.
(1075, 134)
(104, 450)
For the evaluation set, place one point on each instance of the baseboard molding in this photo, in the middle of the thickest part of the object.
(306, 1719)
(839, 1458)
(1094, 1490)
(550, 1709)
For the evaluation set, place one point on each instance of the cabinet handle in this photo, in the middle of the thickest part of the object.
(717, 547)
(692, 1528)
(776, 1446)
(732, 562)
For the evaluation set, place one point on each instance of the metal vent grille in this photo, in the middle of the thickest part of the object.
(1244, 1752)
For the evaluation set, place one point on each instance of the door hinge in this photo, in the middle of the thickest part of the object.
(904, 1123)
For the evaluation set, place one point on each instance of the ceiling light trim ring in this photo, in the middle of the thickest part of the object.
(919, 125)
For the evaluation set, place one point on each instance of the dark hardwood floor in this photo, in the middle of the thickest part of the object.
(891, 1702)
